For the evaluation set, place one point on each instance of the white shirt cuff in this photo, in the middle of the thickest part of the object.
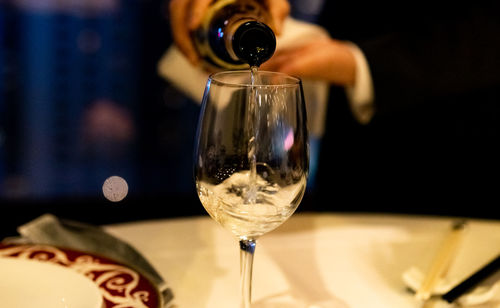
(361, 94)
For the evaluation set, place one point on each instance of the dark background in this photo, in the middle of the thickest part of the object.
(81, 100)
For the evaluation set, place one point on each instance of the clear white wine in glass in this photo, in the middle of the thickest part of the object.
(251, 156)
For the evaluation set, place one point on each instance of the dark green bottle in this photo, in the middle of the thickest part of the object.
(234, 35)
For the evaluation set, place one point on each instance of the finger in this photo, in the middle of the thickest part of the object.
(198, 9)
(333, 63)
(282, 56)
(180, 32)
(286, 59)
(300, 66)
(279, 10)
(278, 60)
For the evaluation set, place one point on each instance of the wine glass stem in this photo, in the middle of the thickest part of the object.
(247, 249)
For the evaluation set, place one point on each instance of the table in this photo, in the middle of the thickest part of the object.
(336, 260)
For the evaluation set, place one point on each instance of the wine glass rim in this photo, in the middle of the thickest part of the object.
(289, 81)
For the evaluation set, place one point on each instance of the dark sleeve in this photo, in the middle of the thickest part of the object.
(437, 56)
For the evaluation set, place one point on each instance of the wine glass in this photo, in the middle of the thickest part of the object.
(251, 156)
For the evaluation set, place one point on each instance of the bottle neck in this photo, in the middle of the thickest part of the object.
(220, 36)
(231, 39)
(253, 42)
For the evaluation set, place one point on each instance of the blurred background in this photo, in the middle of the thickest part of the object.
(81, 100)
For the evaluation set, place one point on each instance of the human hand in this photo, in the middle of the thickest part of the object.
(187, 15)
(324, 58)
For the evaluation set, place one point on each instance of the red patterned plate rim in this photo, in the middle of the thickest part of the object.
(120, 285)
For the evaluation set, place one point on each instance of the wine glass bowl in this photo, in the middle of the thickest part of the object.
(251, 156)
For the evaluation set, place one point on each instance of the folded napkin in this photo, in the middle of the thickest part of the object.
(49, 230)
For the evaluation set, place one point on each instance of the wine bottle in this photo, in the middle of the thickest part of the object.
(234, 35)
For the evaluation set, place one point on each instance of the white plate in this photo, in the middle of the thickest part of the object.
(30, 283)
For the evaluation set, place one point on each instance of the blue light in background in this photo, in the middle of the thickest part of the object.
(67, 63)
(63, 65)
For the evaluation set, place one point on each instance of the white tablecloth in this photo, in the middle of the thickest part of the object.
(313, 260)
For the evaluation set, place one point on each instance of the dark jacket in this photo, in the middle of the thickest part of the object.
(431, 146)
